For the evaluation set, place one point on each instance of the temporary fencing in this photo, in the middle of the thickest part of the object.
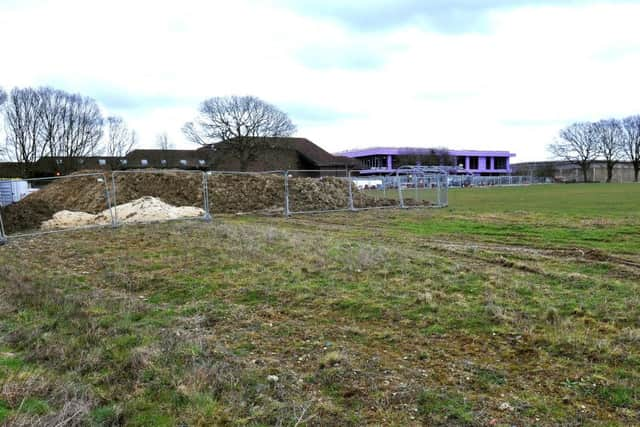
(72, 202)
(318, 191)
(503, 180)
(151, 195)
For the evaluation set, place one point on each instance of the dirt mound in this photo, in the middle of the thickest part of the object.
(145, 209)
(227, 194)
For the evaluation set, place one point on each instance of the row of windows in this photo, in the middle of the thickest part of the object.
(143, 162)
(474, 162)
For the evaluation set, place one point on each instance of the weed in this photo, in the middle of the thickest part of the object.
(444, 406)
(331, 359)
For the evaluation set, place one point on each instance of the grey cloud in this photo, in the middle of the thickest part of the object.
(122, 100)
(447, 16)
(354, 57)
(315, 114)
(535, 122)
(617, 52)
(116, 97)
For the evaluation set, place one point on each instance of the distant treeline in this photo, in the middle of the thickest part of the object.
(611, 140)
(43, 121)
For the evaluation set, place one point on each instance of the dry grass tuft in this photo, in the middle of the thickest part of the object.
(331, 359)
(552, 316)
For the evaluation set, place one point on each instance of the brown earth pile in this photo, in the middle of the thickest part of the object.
(227, 194)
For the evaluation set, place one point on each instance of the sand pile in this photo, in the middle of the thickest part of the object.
(227, 194)
(145, 209)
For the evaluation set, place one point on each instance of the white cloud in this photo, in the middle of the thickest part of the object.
(510, 87)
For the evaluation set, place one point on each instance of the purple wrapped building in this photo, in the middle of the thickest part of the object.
(386, 159)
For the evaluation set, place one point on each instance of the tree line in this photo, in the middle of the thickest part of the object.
(611, 140)
(44, 121)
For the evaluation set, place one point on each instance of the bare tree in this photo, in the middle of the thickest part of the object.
(163, 142)
(81, 127)
(631, 142)
(51, 103)
(23, 127)
(46, 121)
(578, 144)
(120, 139)
(609, 135)
(244, 123)
(3, 99)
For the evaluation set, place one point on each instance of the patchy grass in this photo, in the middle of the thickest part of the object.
(500, 310)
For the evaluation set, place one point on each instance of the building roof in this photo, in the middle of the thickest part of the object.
(159, 153)
(399, 151)
(305, 148)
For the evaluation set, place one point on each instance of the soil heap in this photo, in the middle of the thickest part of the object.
(145, 209)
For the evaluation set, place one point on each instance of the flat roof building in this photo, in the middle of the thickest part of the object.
(377, 160)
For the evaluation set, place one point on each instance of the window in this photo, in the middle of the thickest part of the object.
(163, 162)
(500, 163)
(183, 163)
(473, 162)
(102, 162)
(144, 162)
(201, 162)
(374, 162)
(81, 161)
(123, 162)
(58, 161)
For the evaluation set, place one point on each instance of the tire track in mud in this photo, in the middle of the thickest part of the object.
(625, 267)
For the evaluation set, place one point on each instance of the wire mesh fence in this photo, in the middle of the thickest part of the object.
(374, 191)
(314, 191)
(245, 192)
(504, 180)
(152, 195)
(422, 186)
(58, 203)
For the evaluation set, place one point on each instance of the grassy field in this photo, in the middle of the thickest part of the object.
(514, 306)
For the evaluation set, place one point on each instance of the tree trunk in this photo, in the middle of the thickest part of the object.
(244, 160)
(636, 172)
(609, 172)
(585, 172)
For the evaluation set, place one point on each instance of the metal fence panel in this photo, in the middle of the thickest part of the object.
(154, 195)
(246, 192)
(420, 186)
(503, 180)
(374, 191)
(58, 203)
(317, 191)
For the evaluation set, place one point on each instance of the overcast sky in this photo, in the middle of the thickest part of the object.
(494, 74)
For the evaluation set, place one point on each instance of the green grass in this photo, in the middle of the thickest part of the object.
(597, 216)
(570, 200)
(439, 407)
(525, 296)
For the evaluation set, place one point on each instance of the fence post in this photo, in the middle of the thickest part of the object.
(114, 216)
(3, 237)
(205, 196)
(286, 194)
(106, 193)
(399, 184)
(351, 207)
